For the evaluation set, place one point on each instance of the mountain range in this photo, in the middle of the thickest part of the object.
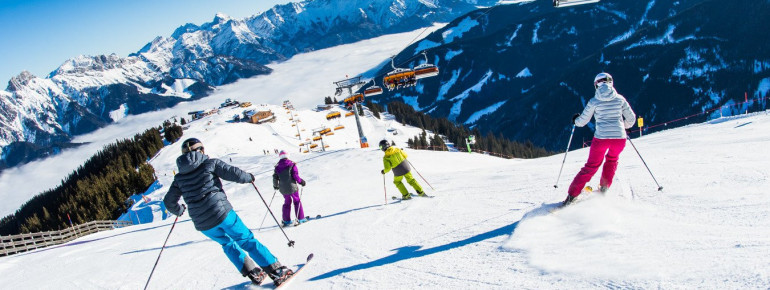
(40, 115)
(522, 70)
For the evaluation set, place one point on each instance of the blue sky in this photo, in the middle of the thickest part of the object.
(39, 35)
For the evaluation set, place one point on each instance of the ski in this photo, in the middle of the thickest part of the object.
(581, 197)
(309, 218)
(296, 272)
(413, 196)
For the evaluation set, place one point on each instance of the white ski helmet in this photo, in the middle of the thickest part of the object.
(602, 77)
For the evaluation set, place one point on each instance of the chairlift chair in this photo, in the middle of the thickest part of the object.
(426, 69)
(398, 77)
(373, 90)
(567, 3)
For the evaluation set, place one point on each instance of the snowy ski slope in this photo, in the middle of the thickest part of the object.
(488, 227)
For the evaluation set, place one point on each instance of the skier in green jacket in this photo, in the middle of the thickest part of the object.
(396, 159)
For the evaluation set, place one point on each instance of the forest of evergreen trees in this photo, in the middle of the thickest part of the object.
(458, 134)
(330, 101)
(97, 190)
(421, 141)
(375, 108)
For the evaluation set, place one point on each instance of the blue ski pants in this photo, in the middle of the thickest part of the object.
(237, 240)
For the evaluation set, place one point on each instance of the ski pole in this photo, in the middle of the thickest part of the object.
(555, 185)
(418, 173)
(161, 252)
(660, 188)
(385, 188)
(263, 219)
(291, 243)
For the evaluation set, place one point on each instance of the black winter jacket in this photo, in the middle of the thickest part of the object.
(198, 182)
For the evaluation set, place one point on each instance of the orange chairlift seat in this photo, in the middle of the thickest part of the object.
(332, 115)
(373, 90)
(357, 98)
(398, 77)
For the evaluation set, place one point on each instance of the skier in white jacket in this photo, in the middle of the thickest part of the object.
(613, 116)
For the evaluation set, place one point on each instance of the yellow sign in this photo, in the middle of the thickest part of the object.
(640, 122)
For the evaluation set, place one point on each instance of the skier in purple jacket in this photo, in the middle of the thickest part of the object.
(285, 179)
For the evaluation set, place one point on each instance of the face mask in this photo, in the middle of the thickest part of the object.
(604, 89)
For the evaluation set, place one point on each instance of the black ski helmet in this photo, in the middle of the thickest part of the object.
(192, 144)
(384, 145)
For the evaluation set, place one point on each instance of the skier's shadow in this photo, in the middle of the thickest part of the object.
(410, 252)
(167, 247)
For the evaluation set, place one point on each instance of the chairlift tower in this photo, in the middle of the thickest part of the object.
(318, 131)
(348, 84)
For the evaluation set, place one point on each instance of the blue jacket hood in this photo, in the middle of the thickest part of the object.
(190, 161)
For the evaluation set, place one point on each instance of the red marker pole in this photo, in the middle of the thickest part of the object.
(72, 226)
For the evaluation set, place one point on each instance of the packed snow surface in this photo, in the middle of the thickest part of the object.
(489, 225)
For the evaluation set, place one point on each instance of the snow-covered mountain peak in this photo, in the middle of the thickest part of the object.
(20, 80)
(189, 27)
(221, 17)
(83, 64)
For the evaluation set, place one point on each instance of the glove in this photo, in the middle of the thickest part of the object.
(275, 188)
(574, 117)
(252, 177)
(182, 209)
(302, 182)
(382, 171)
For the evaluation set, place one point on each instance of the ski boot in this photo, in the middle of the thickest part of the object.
(422, 193)
(251, 270)
(280, 275)
(304, 220)
(603, 189)
(567, 201)
(287, 223)
(406, 197)
(256, 276)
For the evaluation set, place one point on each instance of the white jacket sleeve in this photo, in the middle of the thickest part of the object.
(628, 115)
(588, 112)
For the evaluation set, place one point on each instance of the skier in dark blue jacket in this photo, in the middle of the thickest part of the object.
(198, 182)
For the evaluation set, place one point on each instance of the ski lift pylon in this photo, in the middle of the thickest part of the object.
(567, 3)
(426, 69)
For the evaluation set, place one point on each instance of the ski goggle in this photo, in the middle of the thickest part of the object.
(602, 80)
(383, 147)
(195, 147)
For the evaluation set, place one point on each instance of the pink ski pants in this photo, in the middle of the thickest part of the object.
(599, 147)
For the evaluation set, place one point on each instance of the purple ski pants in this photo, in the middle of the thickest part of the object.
(287, 201)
